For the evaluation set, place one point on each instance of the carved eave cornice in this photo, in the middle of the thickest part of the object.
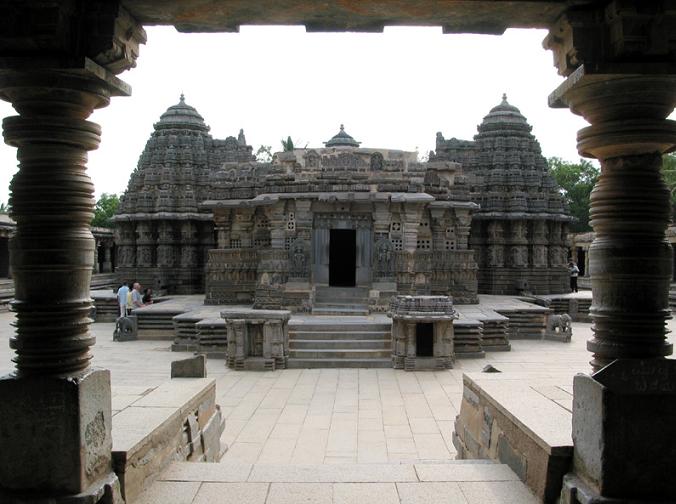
(159, 216)
(558, 217)
(353, 197)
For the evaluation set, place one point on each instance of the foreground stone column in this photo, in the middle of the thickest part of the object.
(55, 411)
(630, 258)
(622, 414)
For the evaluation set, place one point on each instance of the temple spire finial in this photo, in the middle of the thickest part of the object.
(504, 97)
(182, 97)
(342, 127)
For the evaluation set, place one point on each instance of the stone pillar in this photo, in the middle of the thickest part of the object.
(95, 267)
(622, 413)
(107, 258)
(55, 411)
(630, 258)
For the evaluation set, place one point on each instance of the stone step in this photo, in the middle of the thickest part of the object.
(340, 353)
(331, 334)
(335, 326)
(339, 310)
(352, 344)
(298, 363)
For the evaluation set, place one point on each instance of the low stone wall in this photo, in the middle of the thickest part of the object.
(177, 421)
(496, 422)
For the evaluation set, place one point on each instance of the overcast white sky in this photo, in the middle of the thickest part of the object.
(392, 90)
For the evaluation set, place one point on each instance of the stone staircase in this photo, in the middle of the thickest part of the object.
(339, 342)
(461, 481)
(341, 301)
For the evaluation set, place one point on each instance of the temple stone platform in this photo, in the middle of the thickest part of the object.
(344, 341)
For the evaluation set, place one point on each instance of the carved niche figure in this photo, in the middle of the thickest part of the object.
(376, 161)
(384, 257)
(297, 258)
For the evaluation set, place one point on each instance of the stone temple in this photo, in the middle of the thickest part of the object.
(342, 228)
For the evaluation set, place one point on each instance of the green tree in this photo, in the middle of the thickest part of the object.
(576, 181)
(106, 207)
(669, 174)
(287, 145)
(5, 208)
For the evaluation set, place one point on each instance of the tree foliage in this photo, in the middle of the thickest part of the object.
(264, 154)
(287, 145)
(106, 207)
(576, 181)
(5, 208)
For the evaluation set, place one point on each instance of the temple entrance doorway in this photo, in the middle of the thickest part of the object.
(342, 257)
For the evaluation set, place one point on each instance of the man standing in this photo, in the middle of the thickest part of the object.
(137, 296)
(574, 272)
(122, 299)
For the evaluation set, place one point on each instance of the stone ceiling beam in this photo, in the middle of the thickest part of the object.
(468, 16)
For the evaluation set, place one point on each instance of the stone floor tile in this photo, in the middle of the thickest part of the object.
(430, 493)
(342, 473)
(219, 472)
(365, 493)
(232, 493)
(317, 421)
(431, 447)
(293, 414)
(246, 453)
(394, 415)
(277, 451)
(464, 472)
(169, 492)
(497, 492)
(401, 445)
(398, 431)
(370, 424)
(424, 426)
(285, 431)
(298, 493)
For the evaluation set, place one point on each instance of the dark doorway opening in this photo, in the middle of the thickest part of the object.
(4, 257)
(581, 260)
(424, 340)
(342, 257)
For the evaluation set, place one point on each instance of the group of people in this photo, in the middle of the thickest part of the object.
(128, 299)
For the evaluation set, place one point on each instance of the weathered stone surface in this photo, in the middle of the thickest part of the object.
(55, 434)
(619, 450)
(194, 367)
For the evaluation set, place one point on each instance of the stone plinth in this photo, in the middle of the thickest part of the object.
(55, 438)
(257, 339)
(620, 450)
(422, 332)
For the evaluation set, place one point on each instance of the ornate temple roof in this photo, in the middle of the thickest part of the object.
(342, 139)
(504, 116)
(181, 116)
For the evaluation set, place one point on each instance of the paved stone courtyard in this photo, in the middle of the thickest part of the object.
(391, 420)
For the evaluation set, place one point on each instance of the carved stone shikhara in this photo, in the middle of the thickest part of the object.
(519, 233)
(418, 225)
(257, 339)
(419, 321)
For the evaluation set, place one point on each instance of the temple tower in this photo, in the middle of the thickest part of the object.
(519, 232)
